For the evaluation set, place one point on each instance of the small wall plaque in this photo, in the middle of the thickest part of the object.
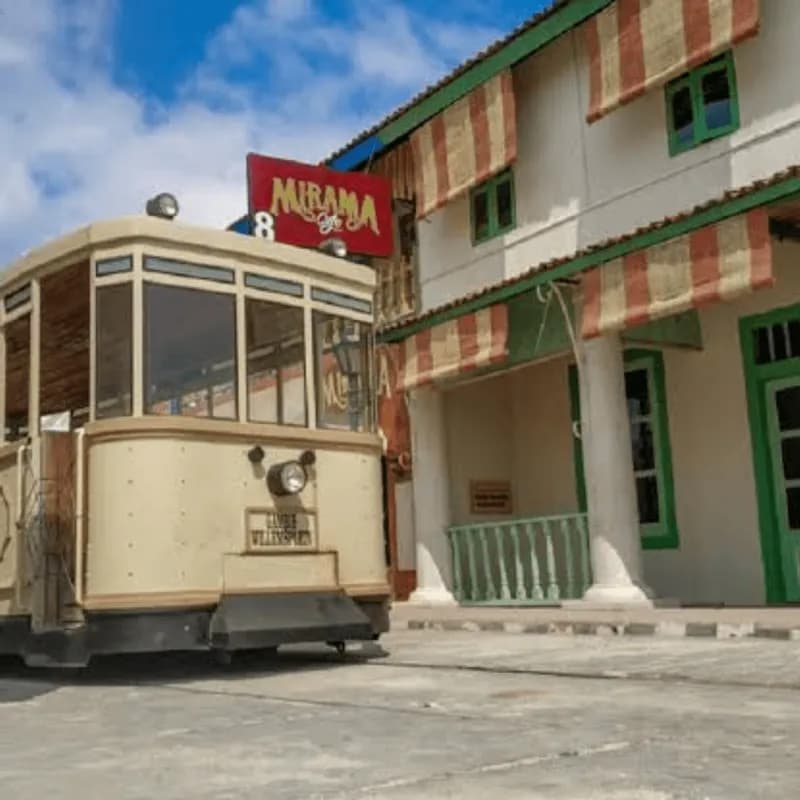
(490, 497)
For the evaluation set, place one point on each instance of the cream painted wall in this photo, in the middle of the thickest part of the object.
(549, 188)
(404, 508)
(164, 510)
(544, 473)
(516, 426)
(578, 184)
(513, 427)
(479, 436)
(719, 557)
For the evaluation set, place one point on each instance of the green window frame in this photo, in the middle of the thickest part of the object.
(485, 208)
(692, 87)
(663, 533)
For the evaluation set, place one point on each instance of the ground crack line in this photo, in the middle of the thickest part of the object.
(607, 675)
(306, 702)
(498, 766)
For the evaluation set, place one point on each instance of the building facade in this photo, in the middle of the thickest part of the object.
(593, 322)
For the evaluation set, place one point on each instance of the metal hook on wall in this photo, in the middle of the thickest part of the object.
(540, 292)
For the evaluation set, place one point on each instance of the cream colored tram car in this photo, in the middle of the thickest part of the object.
(189, 456)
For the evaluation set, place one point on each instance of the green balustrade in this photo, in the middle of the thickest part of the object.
(531, 561)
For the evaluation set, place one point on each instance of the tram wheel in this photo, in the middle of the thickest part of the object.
(340, 647)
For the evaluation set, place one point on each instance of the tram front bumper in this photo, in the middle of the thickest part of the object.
(242, 622)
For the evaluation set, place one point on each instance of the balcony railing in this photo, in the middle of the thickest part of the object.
(535, 561)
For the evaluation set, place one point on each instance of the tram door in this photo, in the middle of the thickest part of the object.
(48, 522)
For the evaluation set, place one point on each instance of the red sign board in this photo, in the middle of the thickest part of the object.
(304, 205)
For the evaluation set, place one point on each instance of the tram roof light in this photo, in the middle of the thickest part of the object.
(164, 205)
(334, 247)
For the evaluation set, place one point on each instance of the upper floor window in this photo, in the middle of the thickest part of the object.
(492, 207)
(702, 104)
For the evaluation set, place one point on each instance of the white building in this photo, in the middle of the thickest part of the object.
(666, 232)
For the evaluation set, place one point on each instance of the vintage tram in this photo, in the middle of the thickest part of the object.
(189, 455)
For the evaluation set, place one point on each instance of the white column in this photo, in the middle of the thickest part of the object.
(431, 497)
(610, 484)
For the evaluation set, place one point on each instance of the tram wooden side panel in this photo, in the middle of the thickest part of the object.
(9, 534)
(54, 552)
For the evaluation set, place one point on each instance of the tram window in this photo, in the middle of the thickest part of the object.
(276, 374)
(342, 362)
(190, 352)
(65, 351)
(114, 351)
(18, 354)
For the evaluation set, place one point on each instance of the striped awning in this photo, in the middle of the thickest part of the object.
(717, 262)
(637, 45)
(465, 144)
(461, 345)
(397, 165)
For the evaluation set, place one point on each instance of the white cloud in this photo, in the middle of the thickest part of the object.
(75, 147)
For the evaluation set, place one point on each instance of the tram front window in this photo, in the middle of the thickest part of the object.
(342, 358)
(276, 375)
(114, 348)
(190, 352)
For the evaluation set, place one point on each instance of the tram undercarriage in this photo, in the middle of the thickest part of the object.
(237, 623)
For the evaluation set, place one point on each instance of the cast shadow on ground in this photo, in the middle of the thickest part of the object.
(19, 683)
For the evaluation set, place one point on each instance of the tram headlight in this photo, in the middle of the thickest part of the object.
(287, 478)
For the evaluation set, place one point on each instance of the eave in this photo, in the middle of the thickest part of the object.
(533, 35)
(782, 186)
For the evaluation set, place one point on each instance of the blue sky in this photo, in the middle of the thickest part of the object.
(105, 102)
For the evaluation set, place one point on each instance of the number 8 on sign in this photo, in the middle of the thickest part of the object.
(264, 227)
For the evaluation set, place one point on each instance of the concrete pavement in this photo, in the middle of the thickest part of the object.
(443, 715)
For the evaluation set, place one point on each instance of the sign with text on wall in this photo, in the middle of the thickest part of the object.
(490, 497)
(303, 205)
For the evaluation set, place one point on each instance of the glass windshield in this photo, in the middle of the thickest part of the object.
(114, 351)
(276, 374)
(343, 352)
(190, 352)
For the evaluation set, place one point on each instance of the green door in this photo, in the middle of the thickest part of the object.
(782, 399)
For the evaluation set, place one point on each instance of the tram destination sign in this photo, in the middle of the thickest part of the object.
(269, 530)
(304, 204)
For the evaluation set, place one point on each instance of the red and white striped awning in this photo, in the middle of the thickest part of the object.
(718, 262)
(465, 144)
(637, 45)
(452, 348)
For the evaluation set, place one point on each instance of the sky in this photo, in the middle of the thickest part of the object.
(104, 103)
